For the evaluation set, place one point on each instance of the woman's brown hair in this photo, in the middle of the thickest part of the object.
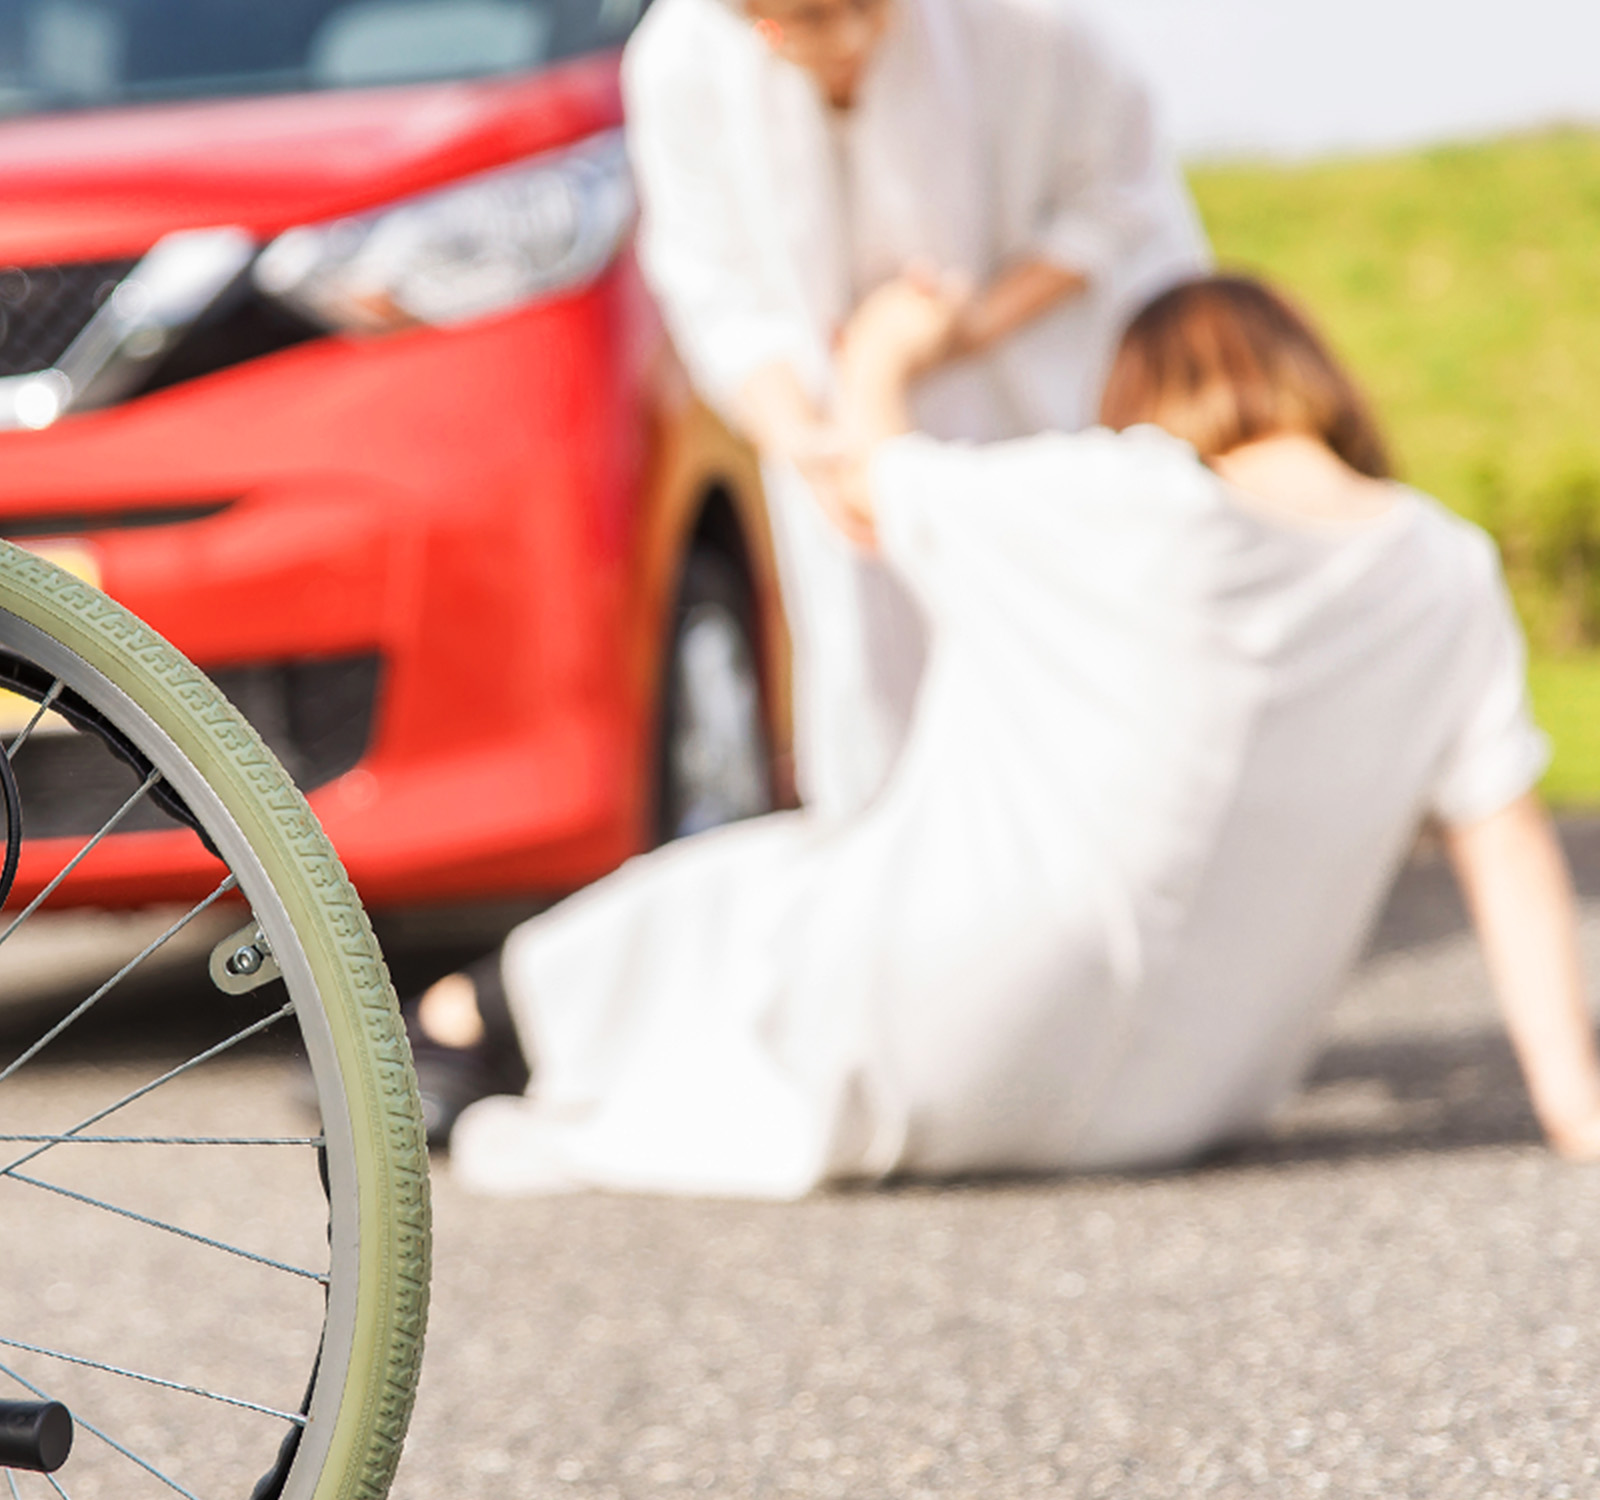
(1224, 361)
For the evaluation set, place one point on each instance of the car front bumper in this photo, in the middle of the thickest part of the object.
(460, 505)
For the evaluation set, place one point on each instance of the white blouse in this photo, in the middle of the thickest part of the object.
(986, 131)
(1164, 763)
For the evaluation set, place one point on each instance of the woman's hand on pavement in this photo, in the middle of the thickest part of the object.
(1578, 1140)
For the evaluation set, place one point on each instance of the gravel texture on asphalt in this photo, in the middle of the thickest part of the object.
(79, 1281)
(1394, 1295)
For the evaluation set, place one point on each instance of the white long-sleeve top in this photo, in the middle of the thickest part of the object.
(986, 131)
(1166, 757)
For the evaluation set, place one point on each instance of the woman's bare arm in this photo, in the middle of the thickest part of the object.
(900, 330)
(1515, 880)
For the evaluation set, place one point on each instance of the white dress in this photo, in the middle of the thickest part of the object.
(986, 131)
(1165, 761)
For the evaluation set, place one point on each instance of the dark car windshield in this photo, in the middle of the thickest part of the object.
(75, 54)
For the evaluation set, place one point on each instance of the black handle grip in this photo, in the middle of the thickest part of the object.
(34, 1435)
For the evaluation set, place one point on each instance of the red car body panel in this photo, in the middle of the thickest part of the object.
(111, 182)
(498, 510)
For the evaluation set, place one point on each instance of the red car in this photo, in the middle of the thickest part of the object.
(322, 348)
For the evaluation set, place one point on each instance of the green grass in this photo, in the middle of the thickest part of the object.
(1462, 285)
(1566, 700)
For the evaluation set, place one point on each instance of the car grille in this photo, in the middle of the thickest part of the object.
(316, 716)
(239, 326)
(44, 308)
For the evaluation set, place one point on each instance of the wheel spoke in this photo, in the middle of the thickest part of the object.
(139, 1375)
(80, 1420)
(187, 1234)
(105, 989)
(154, 1084)
(108, 827)
(165, 1140)
(214, 778)
(27, 729)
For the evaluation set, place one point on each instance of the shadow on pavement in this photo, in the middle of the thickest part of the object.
(1364, 1102)
(1400, 1095)
(1425, 906)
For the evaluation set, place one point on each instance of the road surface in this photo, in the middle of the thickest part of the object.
(1395, 1295)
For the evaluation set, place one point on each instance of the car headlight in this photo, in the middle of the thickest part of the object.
(482, 246)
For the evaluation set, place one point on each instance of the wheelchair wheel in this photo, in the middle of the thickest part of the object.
(214, 1218)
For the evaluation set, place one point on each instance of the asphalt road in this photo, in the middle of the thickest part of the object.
(1395, 1295)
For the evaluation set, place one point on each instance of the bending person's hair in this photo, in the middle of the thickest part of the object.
(1224, 361)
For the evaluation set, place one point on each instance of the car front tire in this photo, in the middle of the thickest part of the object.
(716, 757)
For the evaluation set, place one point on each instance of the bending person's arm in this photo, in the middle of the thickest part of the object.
(1114, 205)
(1021, 294)
(1515, 880)
(749, 349)
(903, 328)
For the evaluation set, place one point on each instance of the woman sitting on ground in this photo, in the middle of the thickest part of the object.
(1191, 693)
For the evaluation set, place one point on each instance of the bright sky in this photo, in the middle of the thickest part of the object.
(1308, 77)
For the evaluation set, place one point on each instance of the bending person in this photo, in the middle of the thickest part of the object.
(793, 155)
(1189, 696)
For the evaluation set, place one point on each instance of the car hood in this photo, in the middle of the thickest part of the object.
(104, 183)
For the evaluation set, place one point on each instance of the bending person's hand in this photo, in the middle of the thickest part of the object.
(903, 328)
(835, 470)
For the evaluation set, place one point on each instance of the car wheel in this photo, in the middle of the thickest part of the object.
(716, 760)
